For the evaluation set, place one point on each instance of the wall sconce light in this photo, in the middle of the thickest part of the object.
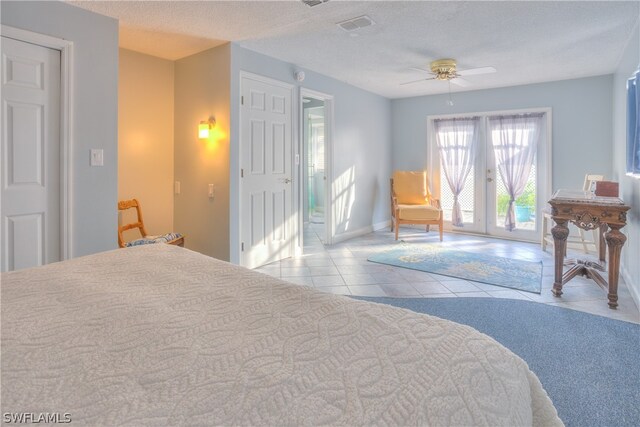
(205, 126)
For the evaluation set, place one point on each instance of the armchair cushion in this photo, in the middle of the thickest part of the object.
(410, 187)
(418, 212)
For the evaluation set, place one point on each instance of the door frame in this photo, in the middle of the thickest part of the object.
(294, 229)
(329, 221)
(433, 165)
(66, 125)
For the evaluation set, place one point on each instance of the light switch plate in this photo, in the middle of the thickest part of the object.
(97, 157)
(176, 187)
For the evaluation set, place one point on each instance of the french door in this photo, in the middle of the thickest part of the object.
(484, 199)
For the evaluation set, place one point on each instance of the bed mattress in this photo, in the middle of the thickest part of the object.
(157, 334)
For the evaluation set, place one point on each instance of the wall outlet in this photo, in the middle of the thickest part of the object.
(97, 157)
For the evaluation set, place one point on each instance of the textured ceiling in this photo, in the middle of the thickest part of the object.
(526, 41)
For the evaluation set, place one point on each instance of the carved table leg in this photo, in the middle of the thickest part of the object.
(602, 246)
(560, 233)
(615, 240)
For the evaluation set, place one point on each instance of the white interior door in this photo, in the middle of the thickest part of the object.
(30, 148)
(266, 180)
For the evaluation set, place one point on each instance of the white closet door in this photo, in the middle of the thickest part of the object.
(266, 187)
(30, 176)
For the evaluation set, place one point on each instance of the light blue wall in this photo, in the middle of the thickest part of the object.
(629, 186)
(581, 123)
(362, 131)
(95, 112)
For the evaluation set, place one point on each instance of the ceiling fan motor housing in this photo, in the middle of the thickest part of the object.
(444, 69)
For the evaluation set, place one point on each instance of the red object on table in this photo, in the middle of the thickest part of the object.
(607, 189)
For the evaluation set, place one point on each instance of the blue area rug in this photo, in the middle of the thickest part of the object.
(494, 270)
(589, 365)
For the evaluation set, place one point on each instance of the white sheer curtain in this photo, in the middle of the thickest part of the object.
(457, 141)
(633, 123)
(514, 140)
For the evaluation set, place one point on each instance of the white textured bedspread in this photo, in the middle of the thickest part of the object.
(157, 335)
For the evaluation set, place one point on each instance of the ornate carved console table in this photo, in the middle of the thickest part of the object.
(589, 212)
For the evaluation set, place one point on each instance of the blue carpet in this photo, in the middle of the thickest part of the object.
(480, 267)
(589, 365)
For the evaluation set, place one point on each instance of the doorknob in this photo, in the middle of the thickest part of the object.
(285, 180)
(489, 179)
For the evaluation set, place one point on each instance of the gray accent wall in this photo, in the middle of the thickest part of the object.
(629, 185)
(361, 156)
(94, 190)
(581, 123)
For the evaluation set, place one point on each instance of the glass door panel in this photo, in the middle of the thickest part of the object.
(524, 206)
(484, 199)
(528, 203)
(467, 200)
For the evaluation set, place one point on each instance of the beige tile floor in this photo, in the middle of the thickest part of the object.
(343, 269)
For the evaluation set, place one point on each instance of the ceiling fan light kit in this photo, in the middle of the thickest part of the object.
(444, 69)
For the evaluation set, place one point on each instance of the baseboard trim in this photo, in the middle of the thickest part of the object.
(380, 225)
(360, 231)
(633, 289)
(351, 234)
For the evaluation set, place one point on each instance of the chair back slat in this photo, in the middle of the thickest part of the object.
(139, 224)
(127, 204)
(590, 180)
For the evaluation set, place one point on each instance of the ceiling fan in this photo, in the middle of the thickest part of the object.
(445, 69)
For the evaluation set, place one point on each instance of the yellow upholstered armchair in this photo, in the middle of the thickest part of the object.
(411, 202)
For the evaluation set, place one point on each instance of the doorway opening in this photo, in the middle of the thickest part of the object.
(315, 167)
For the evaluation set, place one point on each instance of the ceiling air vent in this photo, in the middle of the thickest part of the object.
(355, 23)
(312, 3)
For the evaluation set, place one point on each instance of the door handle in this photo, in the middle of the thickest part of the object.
(285, 180)
(489, 179)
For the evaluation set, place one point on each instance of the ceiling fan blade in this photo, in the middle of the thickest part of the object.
(416, 81)
(474, 71)
(422, 70)
(460, 82)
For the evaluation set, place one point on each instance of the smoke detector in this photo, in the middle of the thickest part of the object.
(356, 23)
(312, 3)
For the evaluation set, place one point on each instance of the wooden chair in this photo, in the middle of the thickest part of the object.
(170, 238)
(411, 202)
(547, 239)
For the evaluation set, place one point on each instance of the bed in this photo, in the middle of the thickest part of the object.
(158, 334)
